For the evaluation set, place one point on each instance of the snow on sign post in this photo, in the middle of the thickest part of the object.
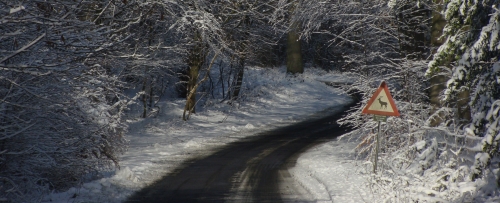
(380, 105)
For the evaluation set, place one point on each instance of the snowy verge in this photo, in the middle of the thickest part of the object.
(158, 145)
(331, 174)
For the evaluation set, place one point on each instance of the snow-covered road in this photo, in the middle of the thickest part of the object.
(248, 170)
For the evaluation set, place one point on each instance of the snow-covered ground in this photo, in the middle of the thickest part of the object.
(328, 172)
(331, 174)
(270, 99)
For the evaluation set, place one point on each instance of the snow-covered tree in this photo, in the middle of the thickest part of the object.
(61, 100)
(236, 31)
(248, 29)
(377, 41)
(199, 33)
(472, 44)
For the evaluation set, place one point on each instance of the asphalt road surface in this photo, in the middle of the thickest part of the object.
(249, 170)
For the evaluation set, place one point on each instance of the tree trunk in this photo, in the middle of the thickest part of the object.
(221, 78)
(151, 95)
(240, 59)
(239, 79)
(195, 61)
(144, 98)
(194, 87)
(293, 54)
(191, 95)
(437, 85)
(463, 108)
(293, 47)
(437, 82)
(437, 24)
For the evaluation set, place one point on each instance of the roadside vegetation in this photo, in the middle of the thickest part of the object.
(69, 71)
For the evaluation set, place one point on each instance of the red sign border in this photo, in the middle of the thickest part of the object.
(382, 87)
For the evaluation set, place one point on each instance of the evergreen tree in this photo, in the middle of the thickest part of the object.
(472, 43)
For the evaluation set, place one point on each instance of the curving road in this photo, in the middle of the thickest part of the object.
(249, 170)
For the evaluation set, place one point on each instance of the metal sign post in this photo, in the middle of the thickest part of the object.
(376, 149)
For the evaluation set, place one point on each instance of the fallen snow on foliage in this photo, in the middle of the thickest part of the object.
(159, 144)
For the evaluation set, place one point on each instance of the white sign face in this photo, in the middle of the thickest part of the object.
(381, 103)
(379, 118)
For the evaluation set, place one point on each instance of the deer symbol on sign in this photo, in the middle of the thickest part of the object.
(382, 103)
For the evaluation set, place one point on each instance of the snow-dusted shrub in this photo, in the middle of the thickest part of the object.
(56, 129)
(391, 43)
(436, 169)
(442, 162)
(60, 100)
(407, 85)
(416, 162)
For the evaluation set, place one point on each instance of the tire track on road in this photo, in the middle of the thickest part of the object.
(248, 170)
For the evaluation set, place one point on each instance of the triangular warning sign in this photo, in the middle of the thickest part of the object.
(381, 103)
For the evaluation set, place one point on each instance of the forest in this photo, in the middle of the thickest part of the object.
(70, 69)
